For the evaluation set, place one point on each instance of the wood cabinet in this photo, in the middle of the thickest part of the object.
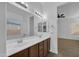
(45, 47)
(23, 53)
(38, 50)
(33, 51)
(48, 45)
(41, 49)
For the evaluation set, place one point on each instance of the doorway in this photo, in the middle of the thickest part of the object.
(31, 24)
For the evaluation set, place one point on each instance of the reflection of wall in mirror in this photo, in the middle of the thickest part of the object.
(13, 27)
(75, 28)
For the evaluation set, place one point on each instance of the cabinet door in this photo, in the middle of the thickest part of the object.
(41, 49)
(45, 47)
(23, 53)
(33, 51)
(48, 45)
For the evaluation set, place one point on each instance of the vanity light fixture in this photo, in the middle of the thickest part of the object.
(23, 4)
(44, 16)
(26, 4)
(38, 14)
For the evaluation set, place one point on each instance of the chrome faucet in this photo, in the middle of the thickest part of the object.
(23, 35)
(40, 35)
(21, 40)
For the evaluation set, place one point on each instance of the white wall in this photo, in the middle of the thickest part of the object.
(2, 29)
(51, 10)
(33, 6)
(36, 21)
(71, 11)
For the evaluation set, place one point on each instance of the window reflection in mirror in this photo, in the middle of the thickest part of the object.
(42, 27)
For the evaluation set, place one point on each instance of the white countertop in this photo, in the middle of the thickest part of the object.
(14, 47)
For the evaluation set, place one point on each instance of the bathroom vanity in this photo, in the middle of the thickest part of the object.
(33, 48)
(19, 36)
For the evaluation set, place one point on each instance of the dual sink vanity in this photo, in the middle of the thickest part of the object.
(33, 46)
(25, 35)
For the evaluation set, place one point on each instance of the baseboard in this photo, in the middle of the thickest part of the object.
(67, 38)
(54, 52)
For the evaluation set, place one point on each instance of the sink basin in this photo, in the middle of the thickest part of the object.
(30, 38)
(20, 41)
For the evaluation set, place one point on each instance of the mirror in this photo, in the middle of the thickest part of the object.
(40, 27)
(44, 27)
(13, 28)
